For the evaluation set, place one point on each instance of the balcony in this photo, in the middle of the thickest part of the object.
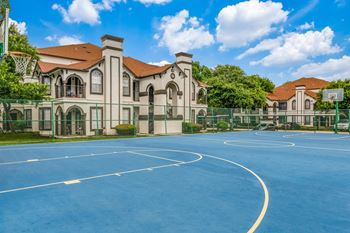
(71, 91)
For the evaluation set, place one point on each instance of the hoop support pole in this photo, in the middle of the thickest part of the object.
(336, 115)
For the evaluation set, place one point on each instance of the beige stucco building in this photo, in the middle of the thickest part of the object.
(294, 101)
(97, 88)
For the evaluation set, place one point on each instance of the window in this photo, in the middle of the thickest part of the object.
(193, 92)
(96, 82)
(294, 105)
(126, 85)
(126, 116)
(136, 91)
(170, 93)
(96, 117)
(282, 106)
(44, 118)
(28, 118)
(307, 104)
(47, 80)
(307, 120)
(282, 119)
(202, 97)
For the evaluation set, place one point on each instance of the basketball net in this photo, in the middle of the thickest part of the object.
(21, 60)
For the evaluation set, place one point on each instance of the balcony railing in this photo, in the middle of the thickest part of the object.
(73, 91)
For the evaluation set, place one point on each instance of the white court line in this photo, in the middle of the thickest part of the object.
(263, 185)
(323, 148)
(259, 144)
(313, 136)
(63, 158)
(66, 147)
(200, 157)
(156, 157)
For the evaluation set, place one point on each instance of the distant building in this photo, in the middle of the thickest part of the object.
(295, 100)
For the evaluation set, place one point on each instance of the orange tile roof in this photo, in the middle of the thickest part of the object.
(287, 90)
(88, 55)
(81, 52)
(141, 69)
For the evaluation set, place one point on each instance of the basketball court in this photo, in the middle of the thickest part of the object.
(228, 182)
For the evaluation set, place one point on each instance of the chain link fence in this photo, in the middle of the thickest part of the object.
(84, 118)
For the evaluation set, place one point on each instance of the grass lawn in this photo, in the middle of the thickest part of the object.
(29, 138)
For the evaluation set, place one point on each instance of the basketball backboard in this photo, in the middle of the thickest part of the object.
(332, 95)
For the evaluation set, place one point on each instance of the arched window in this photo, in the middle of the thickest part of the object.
(294, 105)
(126, 84)
(202, 97)
(193, 92)
(307, 104)
(96, 82)
(75, 87)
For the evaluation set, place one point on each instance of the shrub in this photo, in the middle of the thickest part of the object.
(125, 129)
(191, 127)
(222, 125)
(18, 126)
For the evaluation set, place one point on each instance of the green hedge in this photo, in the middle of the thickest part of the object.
(126, 129)
(222, 125)
(191, 127)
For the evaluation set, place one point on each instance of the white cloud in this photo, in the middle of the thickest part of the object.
(84, 11)
(181, 33)
(149, 2)
(331, 69)
(67, 40)
(161, 63)
(245, 22)
(64, 40)
(306, 26)
(294, 47)
(21, 26)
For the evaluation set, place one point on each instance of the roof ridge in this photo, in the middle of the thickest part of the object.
(69, 45)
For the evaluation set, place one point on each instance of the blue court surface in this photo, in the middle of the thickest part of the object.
(279, 182)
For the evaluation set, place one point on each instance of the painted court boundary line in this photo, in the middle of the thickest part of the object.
(252, 229)
(263, 185)
(65, 157)
(200, 157)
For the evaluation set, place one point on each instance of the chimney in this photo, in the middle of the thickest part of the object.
(184, 58)
(111, 43)
(184, 61)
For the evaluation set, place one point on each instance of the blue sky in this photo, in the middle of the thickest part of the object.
(281, 40)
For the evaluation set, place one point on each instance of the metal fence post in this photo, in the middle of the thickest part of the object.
(52, 121)
(336, 116)
(97, 128)
(349, 121)
(165, 122)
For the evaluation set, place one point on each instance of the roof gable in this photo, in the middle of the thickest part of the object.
(287, 90)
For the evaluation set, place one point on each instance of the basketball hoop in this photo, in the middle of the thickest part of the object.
(21, 60)
(333, 95)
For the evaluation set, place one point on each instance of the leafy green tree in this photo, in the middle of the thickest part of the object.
(345, 84)
(3, 5)
(230, 87)
(201, 72)
(11, 84)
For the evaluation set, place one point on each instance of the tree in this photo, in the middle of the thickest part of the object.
(3, 5)
(11, 85)
(230, 87)
(345, 84)
(201, 72)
